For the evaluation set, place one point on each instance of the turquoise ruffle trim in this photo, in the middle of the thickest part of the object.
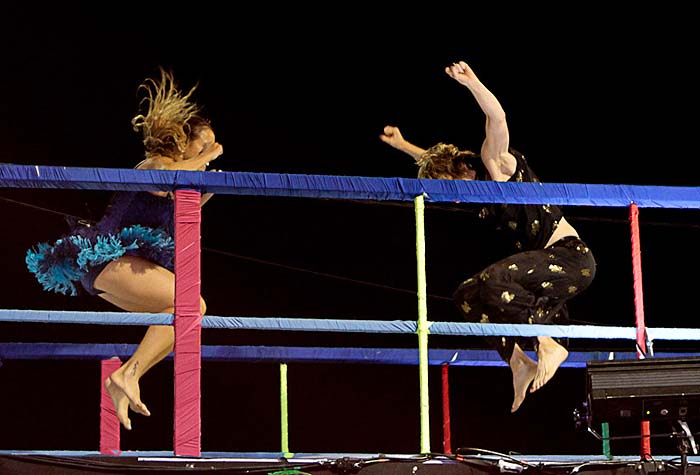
(59, 266)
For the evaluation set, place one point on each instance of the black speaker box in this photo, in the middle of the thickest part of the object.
(645, 389)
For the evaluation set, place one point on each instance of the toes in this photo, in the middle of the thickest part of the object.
(138, 406)
(123, 416)
(126, 423)
(537, 383)
(540, 380)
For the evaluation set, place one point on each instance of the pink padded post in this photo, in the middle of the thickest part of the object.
(188, 319)
(109, 424)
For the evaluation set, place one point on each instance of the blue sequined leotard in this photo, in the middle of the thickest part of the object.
(135, 223)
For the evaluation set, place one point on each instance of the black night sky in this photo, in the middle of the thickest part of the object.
(592, 96)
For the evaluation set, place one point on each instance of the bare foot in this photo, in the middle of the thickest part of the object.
(130, 388)
(120, 401)
(523, 369)
(550, 355)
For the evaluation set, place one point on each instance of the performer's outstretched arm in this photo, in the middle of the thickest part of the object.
(494, 151)
(392, 136)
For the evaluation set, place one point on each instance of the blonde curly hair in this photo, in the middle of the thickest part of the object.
(170, 117)
(445, 162)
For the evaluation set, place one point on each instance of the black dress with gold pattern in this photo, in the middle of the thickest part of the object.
(534, 284)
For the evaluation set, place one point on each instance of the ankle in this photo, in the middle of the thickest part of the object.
(547, 342)
(129, 372)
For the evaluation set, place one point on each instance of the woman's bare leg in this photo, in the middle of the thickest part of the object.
(550, 355)
(123, 384)
(524, 370)
(137, 285)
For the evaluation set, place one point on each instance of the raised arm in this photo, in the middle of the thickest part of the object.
(392, 136)
(209, 152)
(499, 162)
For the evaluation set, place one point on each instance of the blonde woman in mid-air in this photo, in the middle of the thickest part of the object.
(127, 257)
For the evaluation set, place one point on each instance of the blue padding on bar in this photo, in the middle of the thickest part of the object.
(562, 331)
(291, 354)
(255, 354)
(99, 318)
(311, 324)
(349, 326)
(208, 321)
(349, 187)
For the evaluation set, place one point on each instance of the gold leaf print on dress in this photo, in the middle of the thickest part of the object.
(547, 209)
(546, 285)
(507, 297)
(503, 341)
(469, 281)
(466, 308)
(535, 227)
(586, 272)
(484, 318)
(513, 267)
(518, 244)
(483, 213)
(530, 320)
(530, 271)
(512, 225)
(484, 276)
(556, 269)
(519, 176)
(573, 289)
(539, 311)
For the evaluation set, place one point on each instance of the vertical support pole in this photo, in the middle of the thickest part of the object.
(422, 327)
(188, 324)
(606, 440)
(645, 441)
(446, 432)
(645, 448)
(284, 409)
(638, 289)
(109, 423)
